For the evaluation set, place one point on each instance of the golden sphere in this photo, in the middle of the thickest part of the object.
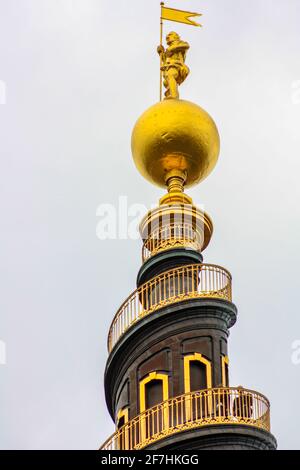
(175, 135)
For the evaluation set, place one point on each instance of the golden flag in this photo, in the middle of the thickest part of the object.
(180, 16)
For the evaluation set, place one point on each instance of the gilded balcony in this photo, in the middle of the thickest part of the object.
(215, 406)
(176, 285)
(175, 226)
(180, 235)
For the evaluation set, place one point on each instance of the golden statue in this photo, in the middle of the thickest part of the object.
(175, 143)
(173, 64)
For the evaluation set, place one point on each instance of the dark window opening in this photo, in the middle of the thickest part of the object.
(197, 376)
(121, 422)
(226, 376)
(154, 393)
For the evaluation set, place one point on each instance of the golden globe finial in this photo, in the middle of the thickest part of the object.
(175, 143)
(175, 135)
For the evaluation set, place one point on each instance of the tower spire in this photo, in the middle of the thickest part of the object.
(167, 374)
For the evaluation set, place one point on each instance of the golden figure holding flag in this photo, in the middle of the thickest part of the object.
(173, 64)
(172, 59)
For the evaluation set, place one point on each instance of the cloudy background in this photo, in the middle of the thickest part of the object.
(75, 75)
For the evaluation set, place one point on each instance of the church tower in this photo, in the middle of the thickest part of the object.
(167, 374)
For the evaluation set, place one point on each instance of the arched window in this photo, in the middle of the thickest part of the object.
(123, 437)
(197, 373)
(122, 417)
(197, 377)
(225, 371)
(154, 389)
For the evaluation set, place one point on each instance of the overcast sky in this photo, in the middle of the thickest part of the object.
(75, 76)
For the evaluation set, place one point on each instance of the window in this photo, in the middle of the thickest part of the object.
(197, 376)
(225, 372)
(197, 373)
(154, 389)
(153, 393)
(123, 437)
(150, 390)
(122, 417)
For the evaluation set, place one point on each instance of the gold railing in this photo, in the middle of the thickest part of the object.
(217, 406)
(172, 236)
(176, 285)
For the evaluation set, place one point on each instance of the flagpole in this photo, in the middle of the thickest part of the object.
(161, 41)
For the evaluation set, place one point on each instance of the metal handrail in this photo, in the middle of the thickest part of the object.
(175, 285)
(215, 406)
(171, 236)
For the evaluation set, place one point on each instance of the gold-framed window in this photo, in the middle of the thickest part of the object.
(225, 370)
(155, 422)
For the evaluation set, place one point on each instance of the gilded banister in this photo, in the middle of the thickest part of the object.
(176, 223)
(187, 282)
(216, 406)
(180, 235)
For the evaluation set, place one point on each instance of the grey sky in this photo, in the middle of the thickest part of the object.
(78, 74)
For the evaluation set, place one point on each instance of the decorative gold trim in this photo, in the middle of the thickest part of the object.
(225, 361)
(230, 406)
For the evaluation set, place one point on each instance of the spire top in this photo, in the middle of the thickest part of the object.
(172, 59)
